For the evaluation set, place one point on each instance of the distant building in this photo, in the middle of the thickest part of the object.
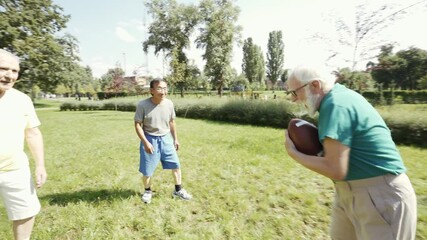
(140, 80)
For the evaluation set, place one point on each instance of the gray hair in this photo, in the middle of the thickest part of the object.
(306, 74)
(9, 54)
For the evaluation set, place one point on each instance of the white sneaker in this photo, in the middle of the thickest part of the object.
(146, 197)
(182, 194)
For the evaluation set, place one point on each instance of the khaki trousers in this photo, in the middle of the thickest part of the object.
(378, 208)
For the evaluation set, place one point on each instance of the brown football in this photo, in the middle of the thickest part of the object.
(305, 137)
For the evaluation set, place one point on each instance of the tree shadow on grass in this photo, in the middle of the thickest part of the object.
(89, 196)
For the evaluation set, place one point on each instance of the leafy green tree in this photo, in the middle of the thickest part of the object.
(177, 76)
(35, 92)
(203, 82)
(61, 89)
(275, 56)
(389, 72)
(112, 80)
(170, 32)
(380, 71)
(356, 80)
(253, 64)
(240, 81)
(171, 28)
(284, 76)
(193, 76)
(89, 90)
(217, 35)
(76, 74)
(402, 70)
(70, 45)
(422, 83)
(415, 67)
(28, 28)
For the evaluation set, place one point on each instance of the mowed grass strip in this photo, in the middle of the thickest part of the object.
(244, 184)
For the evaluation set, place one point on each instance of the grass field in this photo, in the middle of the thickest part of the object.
(244, 185)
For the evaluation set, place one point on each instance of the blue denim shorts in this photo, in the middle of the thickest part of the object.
(164, 151)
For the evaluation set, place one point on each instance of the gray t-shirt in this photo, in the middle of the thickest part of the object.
(155, 118)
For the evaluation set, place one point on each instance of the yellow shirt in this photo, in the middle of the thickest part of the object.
(17, 113)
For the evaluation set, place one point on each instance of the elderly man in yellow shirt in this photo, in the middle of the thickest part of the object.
(18, 121)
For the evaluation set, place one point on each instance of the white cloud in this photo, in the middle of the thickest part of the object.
(99, 65)
(124, 35)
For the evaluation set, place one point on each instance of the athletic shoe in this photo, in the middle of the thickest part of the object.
(182, 194)
(146, 197)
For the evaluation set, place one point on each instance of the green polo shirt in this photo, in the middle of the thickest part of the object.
(347, 117)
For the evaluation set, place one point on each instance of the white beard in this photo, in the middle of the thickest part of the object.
(311, 103)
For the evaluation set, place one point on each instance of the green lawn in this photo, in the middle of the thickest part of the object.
(244, 184)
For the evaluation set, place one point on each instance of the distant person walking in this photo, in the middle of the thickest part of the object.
(374, 198)
(155, 126)
(18, 121)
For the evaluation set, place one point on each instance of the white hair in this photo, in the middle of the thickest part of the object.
(8, 54)
(305, 74)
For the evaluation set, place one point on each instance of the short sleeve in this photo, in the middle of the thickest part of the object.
(30, 114)
(336, 123)
(139, 113)
(173, 115)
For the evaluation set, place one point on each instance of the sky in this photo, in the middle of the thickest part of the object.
(110, 32)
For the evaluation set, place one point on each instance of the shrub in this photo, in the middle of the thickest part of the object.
(109, 106)
(260, 113)
(68, 106)
(126, 106)
(83, 106)
(408, 129)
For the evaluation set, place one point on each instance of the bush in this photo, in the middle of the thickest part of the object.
(408, 129)
(259, 113)
(407, 96)
(83, 106)
(68, 106)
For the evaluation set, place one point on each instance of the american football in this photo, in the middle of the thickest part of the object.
(305, 137)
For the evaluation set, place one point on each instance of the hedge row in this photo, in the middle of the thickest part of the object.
(408, 130)
(401, 96)
(91, 106)
(259, 113)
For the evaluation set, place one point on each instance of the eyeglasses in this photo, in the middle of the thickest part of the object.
(159, 89)
(294, 92)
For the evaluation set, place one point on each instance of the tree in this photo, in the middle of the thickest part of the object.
(356, 80)
(422, 83)
(28, 28)
(70, 45)
(415, 67)
(113, 80)
(239, 82)
(253, 65)
(75, 74)
(284, 76)
(217, 37)
(358, 41)
(177, 77)
(275, 56)
(389, 71)
(403, 70)
(170, 32)
(194, 76)
(61, 89)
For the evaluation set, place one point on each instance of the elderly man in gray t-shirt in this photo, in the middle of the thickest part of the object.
(155, 126)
